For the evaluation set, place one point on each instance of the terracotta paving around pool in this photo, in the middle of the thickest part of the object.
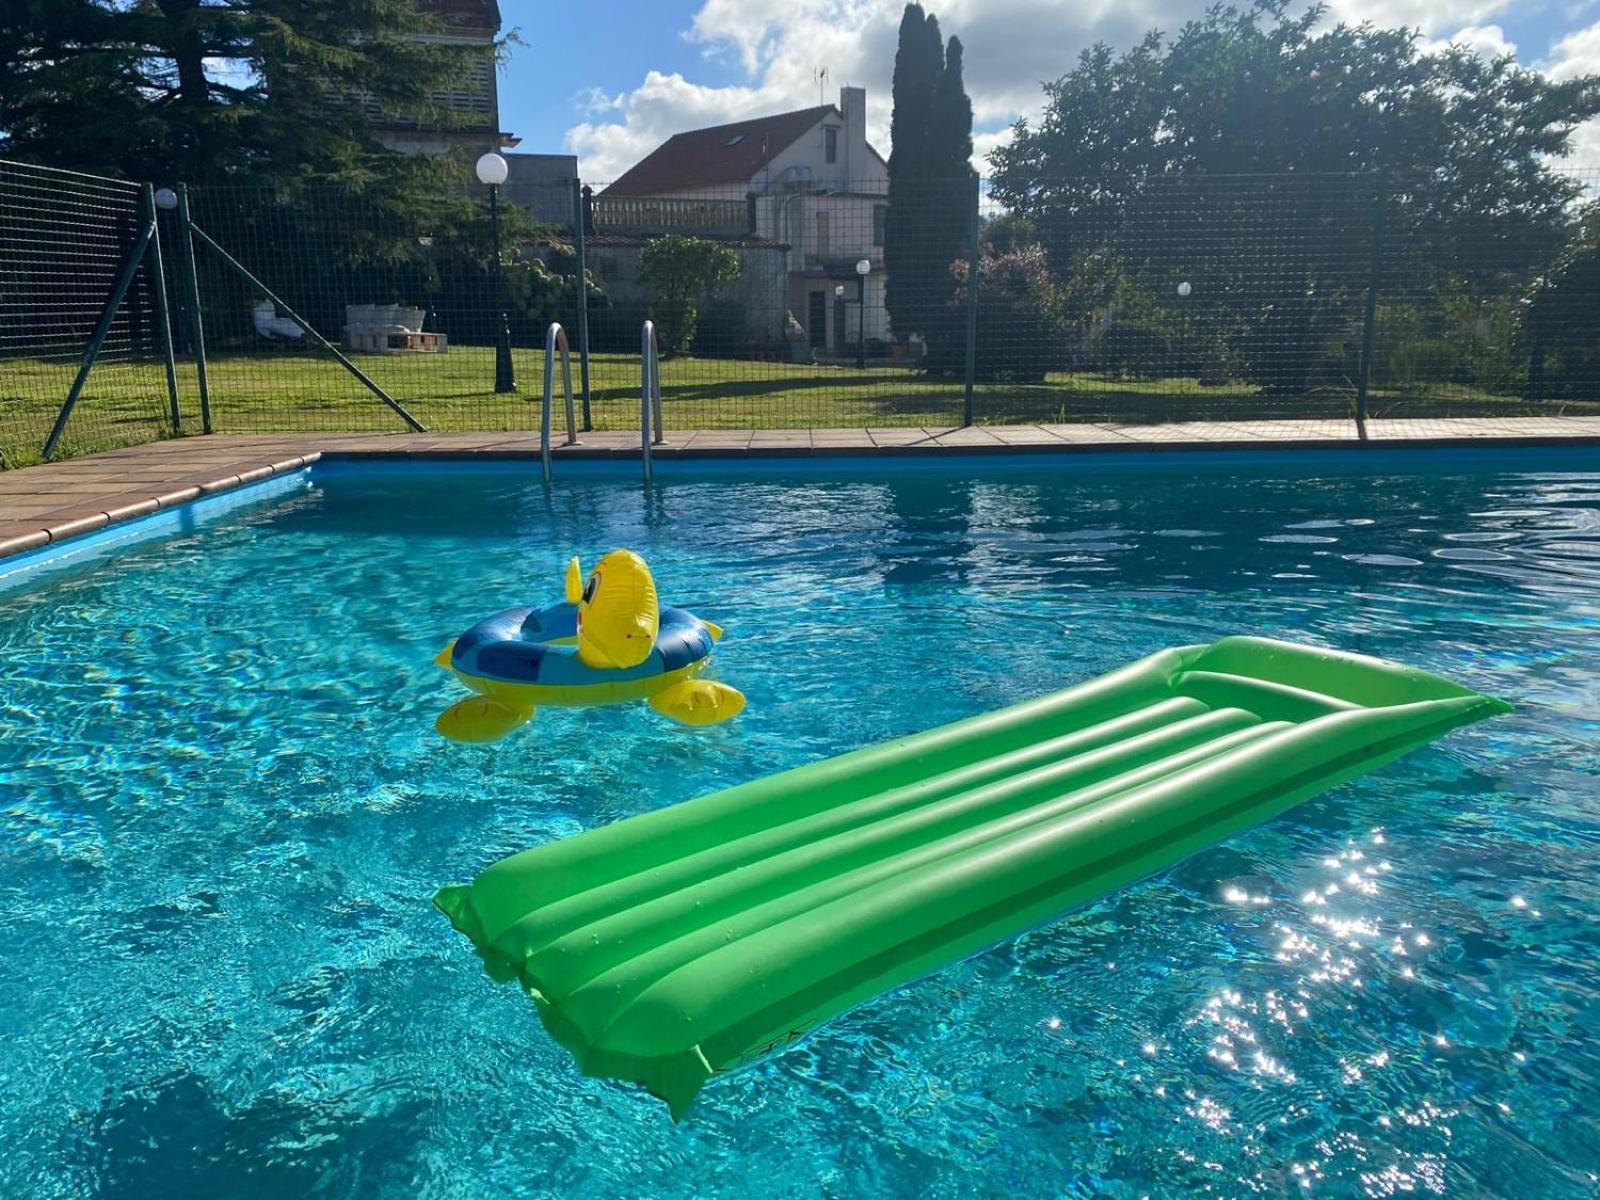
(43, 505)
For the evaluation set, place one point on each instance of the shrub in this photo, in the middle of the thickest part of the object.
(1020, 331)
(678, 270)
(1130, 348)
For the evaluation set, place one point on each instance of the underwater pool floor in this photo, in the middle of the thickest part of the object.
(225, 811)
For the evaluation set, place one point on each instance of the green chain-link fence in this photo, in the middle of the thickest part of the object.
(1178, 299)
(66, 241)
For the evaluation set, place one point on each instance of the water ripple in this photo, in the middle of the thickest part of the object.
(225, 809)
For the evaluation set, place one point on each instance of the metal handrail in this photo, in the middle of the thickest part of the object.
(555, 339)
(649, 395)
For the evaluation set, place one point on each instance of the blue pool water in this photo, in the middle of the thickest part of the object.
(224, 811)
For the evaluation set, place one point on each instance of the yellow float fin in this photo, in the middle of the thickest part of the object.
(574, 581)
(442, 659)
(699, 702)
(713, 629)
(480, 719)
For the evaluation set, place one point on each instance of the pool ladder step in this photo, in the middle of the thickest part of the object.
(651, 431)
(649, 397)
(555, 339)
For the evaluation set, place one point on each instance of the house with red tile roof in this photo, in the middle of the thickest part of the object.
(806, 180)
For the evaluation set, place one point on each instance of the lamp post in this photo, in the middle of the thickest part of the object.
(493, 171)
(863, 269)
(1184, 290)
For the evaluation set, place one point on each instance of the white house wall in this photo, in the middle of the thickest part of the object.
(789, 194)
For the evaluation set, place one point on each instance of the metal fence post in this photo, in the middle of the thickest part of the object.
(108, 314)
(974, 250)
(1370, 327)
(365, 380)
(580, 219)
(191, 291)
(147, 204)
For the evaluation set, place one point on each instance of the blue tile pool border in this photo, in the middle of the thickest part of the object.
(1322, 456)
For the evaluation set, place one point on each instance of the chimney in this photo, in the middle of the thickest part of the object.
(853, 104)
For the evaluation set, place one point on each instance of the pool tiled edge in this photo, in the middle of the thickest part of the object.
(45, 505)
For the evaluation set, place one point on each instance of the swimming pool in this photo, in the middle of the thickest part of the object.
(225, 810)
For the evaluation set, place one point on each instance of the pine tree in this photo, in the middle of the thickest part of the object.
(201, 91)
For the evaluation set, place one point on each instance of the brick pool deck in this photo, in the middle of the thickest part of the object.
(42, 505)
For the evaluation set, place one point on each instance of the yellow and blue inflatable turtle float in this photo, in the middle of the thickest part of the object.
(608, 642)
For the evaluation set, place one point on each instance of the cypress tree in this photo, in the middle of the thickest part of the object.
(949, 165)
(918, 62)
(929, 180)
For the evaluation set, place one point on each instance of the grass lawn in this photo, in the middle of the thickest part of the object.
(310, 392)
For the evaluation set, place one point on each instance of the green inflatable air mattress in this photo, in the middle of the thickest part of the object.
(676, 944)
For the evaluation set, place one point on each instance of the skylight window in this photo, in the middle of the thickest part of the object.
(736, 139)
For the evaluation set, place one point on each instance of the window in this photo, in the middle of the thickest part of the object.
(736, 139)
(880, 218)
(830, 143)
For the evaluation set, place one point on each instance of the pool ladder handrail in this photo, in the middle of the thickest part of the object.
(649, 396)
(555, 338)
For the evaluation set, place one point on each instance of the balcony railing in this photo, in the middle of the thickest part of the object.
(645, 214)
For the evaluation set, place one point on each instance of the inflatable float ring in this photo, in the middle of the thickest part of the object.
(608, 642)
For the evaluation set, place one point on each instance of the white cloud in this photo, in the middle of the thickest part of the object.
(1011, 47)
(1486, 41)
(1578, 53)
(1432, 17)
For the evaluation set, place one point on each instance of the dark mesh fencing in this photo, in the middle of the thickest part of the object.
(1288, 297)
(409, 294)
(1179, 299)
(796, 331)
(64, 242)
(789, 305)
(1486, 312)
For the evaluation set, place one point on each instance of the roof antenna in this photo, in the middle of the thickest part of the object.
(820, 74)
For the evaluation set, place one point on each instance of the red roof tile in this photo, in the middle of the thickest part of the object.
(721, 154)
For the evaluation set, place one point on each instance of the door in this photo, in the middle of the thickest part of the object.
(817, 320)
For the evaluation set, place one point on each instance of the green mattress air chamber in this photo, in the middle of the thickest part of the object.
(683, 942)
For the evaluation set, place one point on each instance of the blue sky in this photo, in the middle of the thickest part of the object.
(631, 72)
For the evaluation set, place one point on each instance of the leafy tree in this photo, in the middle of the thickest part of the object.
(1559, 326)
(1142, 158)
(324, 247)
(1254, 90)
(929, 180)
(219, 90)
(678, 270)
(1023, 313)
